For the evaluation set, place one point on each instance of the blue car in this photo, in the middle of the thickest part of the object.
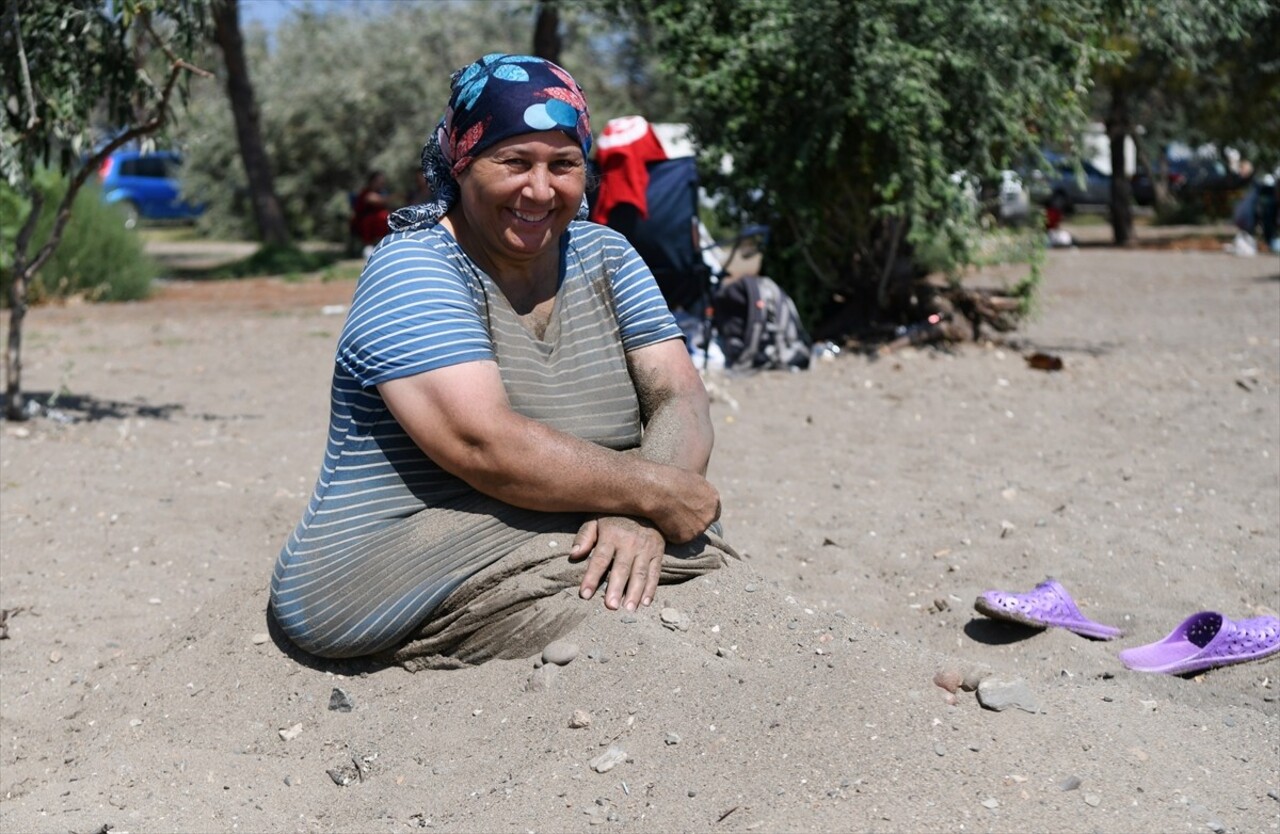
(146, 187)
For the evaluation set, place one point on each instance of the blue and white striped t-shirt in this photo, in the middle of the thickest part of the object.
(422, 304)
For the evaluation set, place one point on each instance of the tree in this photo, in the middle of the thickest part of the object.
(853, 127)
(68, 65)
(1157, 51)
(546, 32)
(341, 93)
(257, 165)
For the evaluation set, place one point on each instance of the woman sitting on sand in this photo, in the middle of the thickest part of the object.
(509, 380)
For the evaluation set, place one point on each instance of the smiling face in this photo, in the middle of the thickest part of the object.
(517, 198)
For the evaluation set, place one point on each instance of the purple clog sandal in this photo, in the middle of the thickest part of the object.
(1206, 640)
(1048, 604)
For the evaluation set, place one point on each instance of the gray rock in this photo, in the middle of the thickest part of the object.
(991, 802)
(1000, 694)
(1274, 794)
(1216, 827)
(542, 678)
(629, 618)
(751, 587)
(940, 749)
(1092, 800)
(1069, 784)
(340, 701)
(608, 760)
(560, 652)
(674, 619)
(671, 739)
(580, 719)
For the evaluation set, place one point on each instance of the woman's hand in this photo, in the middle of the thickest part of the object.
(630, 550)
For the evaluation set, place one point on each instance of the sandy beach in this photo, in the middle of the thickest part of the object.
(873, 498)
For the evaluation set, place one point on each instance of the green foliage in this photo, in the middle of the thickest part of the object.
(98, 259)
(341, 94)
(275, 260)
(845, 121)
(82, 64)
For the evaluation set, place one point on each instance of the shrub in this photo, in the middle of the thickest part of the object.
(98, 259)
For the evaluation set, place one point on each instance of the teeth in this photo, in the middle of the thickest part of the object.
(530, 218)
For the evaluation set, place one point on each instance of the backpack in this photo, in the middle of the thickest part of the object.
(758, 326)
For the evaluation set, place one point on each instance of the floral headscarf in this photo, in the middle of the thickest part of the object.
(495, 98)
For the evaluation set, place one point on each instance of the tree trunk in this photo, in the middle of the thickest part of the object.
(1119, 127)
(257, 166)
(546, 32)
(15, 401)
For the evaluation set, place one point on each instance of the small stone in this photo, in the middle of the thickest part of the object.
(1069, 784)
(580, 719)
(343, 776)
(542, 678)
(1216, 827)
(628, 618)
(941, 604)
(940, 749)
(260, 638)
(674, 619)
(340, 701)
(692, 793)
(671, 739)
(751, 587)
(1092, 800)
(290, 733)
(609, 759)
(991, 802)
(135, 722)
(560, 652)
(999, 694)
(288, 781)
(1274, 794)
(972, 678)
(948, 679)
(55, 656)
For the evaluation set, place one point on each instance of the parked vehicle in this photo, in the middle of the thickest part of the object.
(1065, 187)
(146, 186)
(1190, 176)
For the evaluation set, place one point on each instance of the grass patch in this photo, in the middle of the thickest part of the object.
(288, 261)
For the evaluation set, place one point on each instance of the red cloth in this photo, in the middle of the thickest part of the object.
(626, 145)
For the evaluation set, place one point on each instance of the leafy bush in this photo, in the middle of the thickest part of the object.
(98, 259)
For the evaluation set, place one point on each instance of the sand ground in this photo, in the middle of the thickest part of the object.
(874, 498)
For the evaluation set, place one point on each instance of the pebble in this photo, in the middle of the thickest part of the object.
(55, 656)
(674, 619)
(671, 739)
(948, 679)
(580, 719)
(1000, 694)
(629, 618)
(1092, 800)
(940, 749)
(973, 678)
(1216, 827)
(290, 733)
(260, 638)
(609, 759)
(692, 793)
(560, 652)
(340, 701)
(751, 588)
(991, 802)
(1274, 794)
(542, 678)
(1069, 784)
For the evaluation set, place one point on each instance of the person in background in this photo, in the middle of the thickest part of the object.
(370, 212)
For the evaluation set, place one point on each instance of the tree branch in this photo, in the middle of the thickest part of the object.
(27, 93)
(151, 125)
